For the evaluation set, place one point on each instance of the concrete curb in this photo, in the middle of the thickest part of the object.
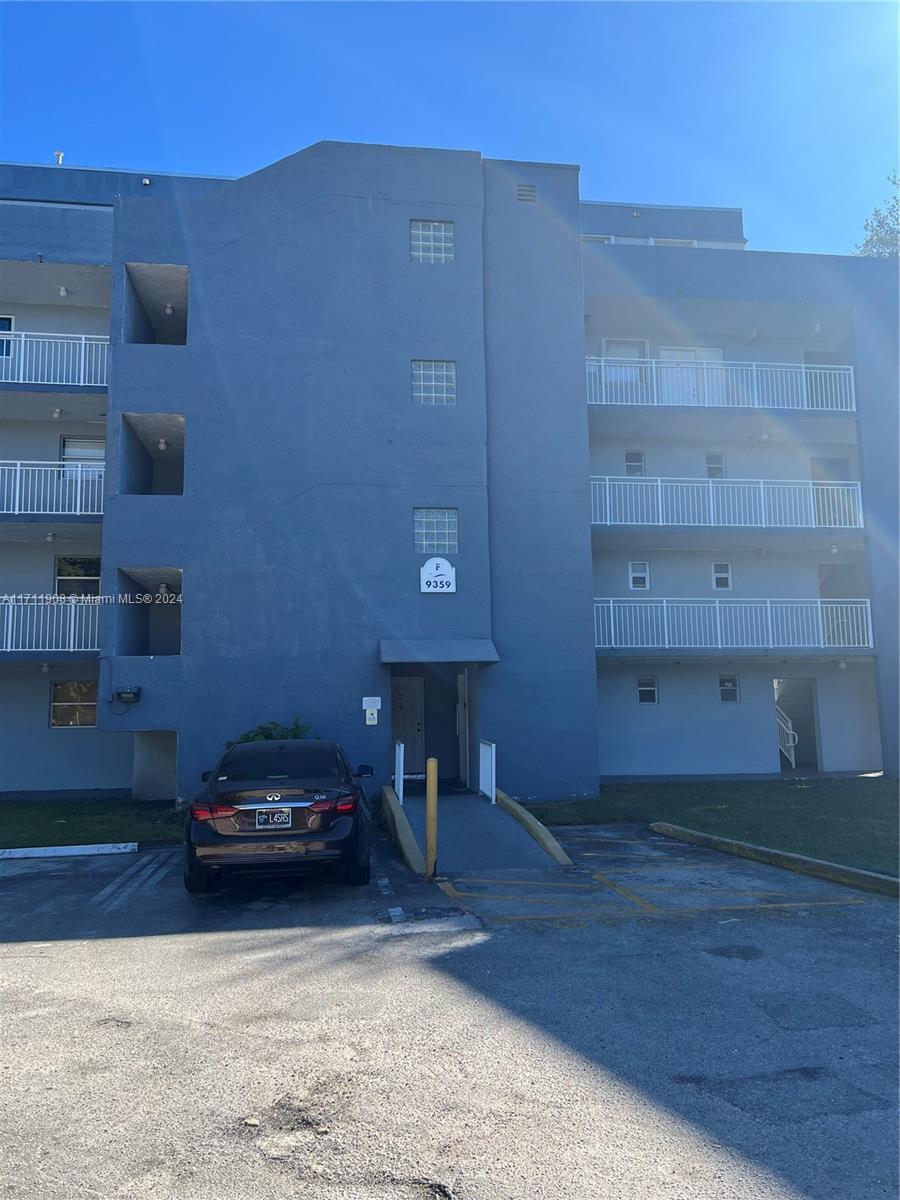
(70, 851)
(869, 881)
(401, 831)
(539, 832)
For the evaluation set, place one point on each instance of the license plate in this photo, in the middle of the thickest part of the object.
(272, 818)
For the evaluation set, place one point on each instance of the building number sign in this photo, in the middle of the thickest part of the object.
(437, 575)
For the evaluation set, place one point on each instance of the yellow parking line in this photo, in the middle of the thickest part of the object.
(520, 899)
(532, 883)
(632, 896)
(755, 907)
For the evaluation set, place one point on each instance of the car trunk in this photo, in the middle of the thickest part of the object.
(267, 809)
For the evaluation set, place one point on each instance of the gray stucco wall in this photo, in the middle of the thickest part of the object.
(35, 757)
(304, 455)
(538, 703)
(691, 732)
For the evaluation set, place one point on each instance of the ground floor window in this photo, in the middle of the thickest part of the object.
(73, 704)
(647, 689)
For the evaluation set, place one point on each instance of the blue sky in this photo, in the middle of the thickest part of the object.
(786, 110)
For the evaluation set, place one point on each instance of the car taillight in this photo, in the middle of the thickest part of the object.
(209, 812)
(341, 804)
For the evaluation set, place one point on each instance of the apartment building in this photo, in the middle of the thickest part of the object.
(421, 447)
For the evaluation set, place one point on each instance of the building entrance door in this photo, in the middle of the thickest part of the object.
(408, 720)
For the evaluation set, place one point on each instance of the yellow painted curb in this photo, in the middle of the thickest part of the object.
(401, 831)
(539, 832)
(869, 881)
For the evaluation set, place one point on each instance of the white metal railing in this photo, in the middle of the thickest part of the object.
(787, 737)
(69, 624)
(770, 503)
(665, 382)
(487, 770)
(54, 358)
(71, 488)
(399, 756)
(676, 624)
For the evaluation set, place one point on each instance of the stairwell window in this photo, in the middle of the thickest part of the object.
(715, 464)
(729, 689)
(647, 689)
(431, 241)
(721, 576)
(635, 463)
(639, 576)
(436, 530)
(433, 382)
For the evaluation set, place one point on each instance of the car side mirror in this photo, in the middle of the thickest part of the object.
(205, 776)
(364, 771)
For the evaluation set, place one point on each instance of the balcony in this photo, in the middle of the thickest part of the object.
(78, 360)
(676, 624)
(70, 624)
(51, 488)
(725, 503)
(653, 382)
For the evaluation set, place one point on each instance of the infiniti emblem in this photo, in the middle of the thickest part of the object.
(274, 796)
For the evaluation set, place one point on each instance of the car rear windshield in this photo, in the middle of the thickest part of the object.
(313, 762)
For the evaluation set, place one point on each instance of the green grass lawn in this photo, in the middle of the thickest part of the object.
(849, 821)
(86, 822)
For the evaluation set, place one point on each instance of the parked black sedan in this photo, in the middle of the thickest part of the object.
(275, 807)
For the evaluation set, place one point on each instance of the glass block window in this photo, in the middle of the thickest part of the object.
(436, 530)
(73, 704)
(431, 241)
(729, 689)
(647, 689)
(433, 381)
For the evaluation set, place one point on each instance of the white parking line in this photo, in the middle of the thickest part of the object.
(119, 879)
(146, 873)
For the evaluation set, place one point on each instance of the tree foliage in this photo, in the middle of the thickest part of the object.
(882, 229)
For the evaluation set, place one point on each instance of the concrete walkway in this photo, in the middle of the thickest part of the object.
(475, 835)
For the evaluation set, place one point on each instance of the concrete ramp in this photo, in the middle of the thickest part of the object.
(475, 836)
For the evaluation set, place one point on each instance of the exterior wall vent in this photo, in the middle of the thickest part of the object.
(526, 192)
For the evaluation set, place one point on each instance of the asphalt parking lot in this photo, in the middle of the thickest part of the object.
(658, 1021)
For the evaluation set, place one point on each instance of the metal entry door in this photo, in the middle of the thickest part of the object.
(408, 720)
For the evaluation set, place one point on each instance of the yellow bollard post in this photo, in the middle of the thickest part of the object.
(431, 813)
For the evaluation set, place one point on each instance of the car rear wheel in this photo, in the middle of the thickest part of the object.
(359, 874)
(196, 879)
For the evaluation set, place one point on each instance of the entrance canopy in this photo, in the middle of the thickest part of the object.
(438, 650)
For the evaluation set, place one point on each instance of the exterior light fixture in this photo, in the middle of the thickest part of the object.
(764, 436)
(56, 414)
(50, 537)
(833, 548)
(145, 182)
(45, 668)
(168, 310)
(842, 664)
(63, 291)
(163, 444)
(817, 328)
